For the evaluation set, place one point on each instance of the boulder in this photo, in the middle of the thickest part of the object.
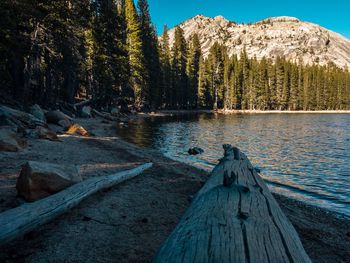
(38, 180)
(77, 129)
(19, 118)
(43, 133)
(6, 121)
(65, 124)
(37, 112)
(58, 117)
(86, 112)
(10, 140)
(195, 151)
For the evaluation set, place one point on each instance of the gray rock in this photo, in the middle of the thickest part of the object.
(56, 116)
(37, 112)
(38, 180)
(10, 140)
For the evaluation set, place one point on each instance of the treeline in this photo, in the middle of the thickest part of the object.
(248, 84)
(108, 50)
(53, 51)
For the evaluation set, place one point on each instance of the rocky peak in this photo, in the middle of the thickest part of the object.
(290, 37)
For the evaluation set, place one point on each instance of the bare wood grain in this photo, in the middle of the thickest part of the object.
(233, 218)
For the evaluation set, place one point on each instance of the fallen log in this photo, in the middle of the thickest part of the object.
(21, 220)
(233, 218)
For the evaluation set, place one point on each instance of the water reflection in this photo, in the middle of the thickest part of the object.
(306, 156)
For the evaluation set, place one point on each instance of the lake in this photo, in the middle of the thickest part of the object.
(303, 156)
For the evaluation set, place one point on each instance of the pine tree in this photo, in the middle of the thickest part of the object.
(192, 70)
(110, 60)
(245, 85)
(138, 76)
(205, 90)
(178, 66)
(165, 57)
(151, 54)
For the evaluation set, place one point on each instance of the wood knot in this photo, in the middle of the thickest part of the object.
(229, 180)
(243, 215)
(243, 188)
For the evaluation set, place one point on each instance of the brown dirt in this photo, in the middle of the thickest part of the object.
(128, 222)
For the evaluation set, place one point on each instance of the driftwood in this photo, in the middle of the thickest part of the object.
(233, 218)
(21, 220)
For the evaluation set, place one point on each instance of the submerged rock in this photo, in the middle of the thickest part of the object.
(195, 151)
(38, 180)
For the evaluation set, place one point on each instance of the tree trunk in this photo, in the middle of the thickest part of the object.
(233, 218)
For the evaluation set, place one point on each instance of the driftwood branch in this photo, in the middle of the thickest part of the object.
(233, 218)
(21, 220)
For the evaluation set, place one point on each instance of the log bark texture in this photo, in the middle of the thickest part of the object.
(233, 218)
(21, 220)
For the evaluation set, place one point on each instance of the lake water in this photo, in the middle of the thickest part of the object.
(304, 156)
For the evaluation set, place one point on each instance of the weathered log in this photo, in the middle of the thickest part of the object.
(233, 218)
(23, 219)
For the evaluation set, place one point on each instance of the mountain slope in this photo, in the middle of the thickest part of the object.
(272, 37)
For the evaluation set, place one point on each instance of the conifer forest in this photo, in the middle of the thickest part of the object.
(109, 51)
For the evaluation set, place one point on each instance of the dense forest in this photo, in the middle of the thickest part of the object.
(55, 52)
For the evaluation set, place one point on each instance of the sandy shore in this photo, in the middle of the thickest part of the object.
(163, 113)
(128, 222)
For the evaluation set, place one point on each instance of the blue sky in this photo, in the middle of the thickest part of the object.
(332, 14)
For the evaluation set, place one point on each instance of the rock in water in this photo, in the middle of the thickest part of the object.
(86, 112)
(37, 112)
(38, 180)
(10, 141)
(195, 151)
